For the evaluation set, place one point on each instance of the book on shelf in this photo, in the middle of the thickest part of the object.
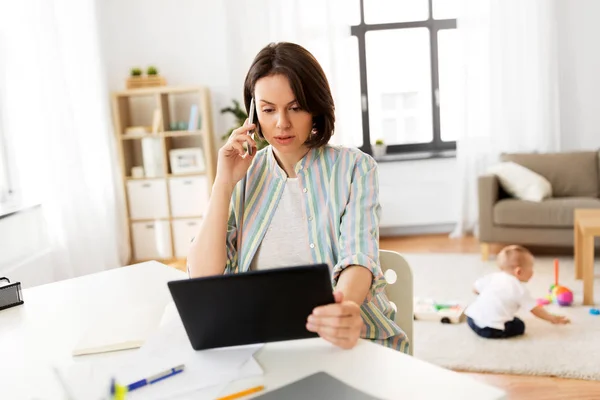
(137, 130)
(193, 123)
(152, 157)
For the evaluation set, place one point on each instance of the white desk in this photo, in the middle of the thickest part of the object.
(46, 328)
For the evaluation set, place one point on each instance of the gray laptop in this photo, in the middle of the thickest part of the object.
(319, 386)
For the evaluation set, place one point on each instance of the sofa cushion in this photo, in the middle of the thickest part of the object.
(550, 213)
(521, 182)
(571, 174)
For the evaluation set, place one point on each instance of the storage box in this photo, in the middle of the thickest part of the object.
(151, 240)
(189, 196)
(147, 199)
(183, 232)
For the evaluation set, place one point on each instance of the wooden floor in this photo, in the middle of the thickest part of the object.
(431, 244)
(517, 386)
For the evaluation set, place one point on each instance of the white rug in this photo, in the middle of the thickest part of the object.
(569, 351)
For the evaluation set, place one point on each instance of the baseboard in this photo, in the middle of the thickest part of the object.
(416, 230)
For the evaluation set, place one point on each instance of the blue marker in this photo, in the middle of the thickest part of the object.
(155, 378)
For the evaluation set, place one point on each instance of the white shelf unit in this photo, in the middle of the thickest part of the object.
(164, 209)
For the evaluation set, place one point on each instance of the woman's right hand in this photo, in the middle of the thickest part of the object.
(233, 161)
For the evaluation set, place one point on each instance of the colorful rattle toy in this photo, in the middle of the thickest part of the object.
(560, 295)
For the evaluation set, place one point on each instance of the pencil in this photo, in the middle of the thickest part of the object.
(242, 393)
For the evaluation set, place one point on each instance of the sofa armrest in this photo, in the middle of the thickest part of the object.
(488, 194)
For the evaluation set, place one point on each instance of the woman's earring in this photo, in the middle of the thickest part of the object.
(314, 130)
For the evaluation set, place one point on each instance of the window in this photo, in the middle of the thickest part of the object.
(409, 77)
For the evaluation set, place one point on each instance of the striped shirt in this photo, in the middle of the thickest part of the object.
(342, 211)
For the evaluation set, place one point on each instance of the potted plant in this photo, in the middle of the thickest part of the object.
(240, 117)
(136, 72)
(379, 149)
(152, 71)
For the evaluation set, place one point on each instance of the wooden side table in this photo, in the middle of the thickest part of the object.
(586, 227)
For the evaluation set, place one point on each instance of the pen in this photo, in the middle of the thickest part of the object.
(242, 393)
(155, 378)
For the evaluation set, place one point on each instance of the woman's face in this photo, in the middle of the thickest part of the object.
(282, 122)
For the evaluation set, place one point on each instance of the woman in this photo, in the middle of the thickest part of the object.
(299, 201)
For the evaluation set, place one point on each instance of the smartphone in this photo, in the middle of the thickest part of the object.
(251, 121)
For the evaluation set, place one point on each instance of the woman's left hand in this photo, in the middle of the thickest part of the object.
(338, 323)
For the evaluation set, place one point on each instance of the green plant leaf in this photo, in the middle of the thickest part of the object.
(240, 115)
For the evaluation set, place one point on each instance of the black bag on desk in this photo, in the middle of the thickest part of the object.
(10, 293)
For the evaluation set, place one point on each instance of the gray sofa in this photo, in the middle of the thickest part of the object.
(575, 180)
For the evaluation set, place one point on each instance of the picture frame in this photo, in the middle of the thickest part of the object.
(186, 160)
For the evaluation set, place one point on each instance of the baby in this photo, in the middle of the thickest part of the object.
(502, 294)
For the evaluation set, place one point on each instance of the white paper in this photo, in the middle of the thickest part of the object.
(170, 346)
(166, 348)
(249, 369)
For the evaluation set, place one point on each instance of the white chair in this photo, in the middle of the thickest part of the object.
(400, 290)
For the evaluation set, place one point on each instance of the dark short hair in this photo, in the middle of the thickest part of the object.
(307, 80)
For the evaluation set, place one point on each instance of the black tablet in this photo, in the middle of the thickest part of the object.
(252, 307)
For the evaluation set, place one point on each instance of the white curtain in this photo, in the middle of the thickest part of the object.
(57, 124)
(319, 26)
(511, 99)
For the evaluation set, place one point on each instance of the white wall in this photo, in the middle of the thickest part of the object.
(184, 39)
(192, 43)
(24, 248)
(579, 73)
(15, 246)
(418, 196)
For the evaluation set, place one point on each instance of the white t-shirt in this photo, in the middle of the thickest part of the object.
(500, 297)
(286, 241)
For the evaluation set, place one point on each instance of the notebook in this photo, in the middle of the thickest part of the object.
(127, 329)
(319, 386)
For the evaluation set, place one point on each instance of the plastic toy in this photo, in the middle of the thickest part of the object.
(446, 313)
(560, 295)
(594, 311)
